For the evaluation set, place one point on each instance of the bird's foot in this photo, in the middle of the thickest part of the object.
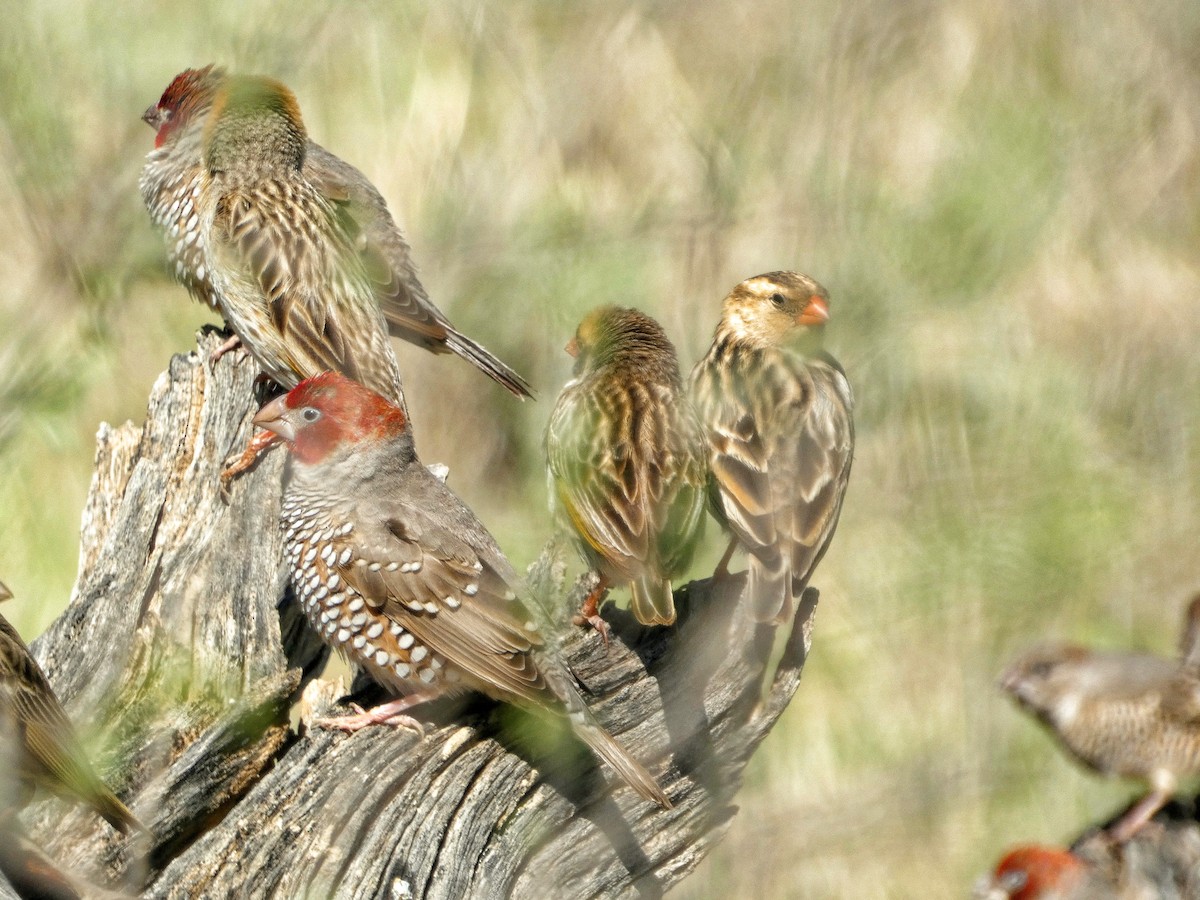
(385, 714)
(257, 445)
(232, 343)
(589, 612)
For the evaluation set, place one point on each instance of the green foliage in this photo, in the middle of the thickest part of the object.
(1000, 199)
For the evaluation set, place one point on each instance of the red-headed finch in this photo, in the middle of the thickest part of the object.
(38, 746)
(171, 182)
(1038, 873)
(1127, 714)
(626, 461)
(396, 572)
(777, 417)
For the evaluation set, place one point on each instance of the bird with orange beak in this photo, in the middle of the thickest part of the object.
(777, 417)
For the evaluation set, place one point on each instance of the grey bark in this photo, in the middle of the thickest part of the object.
(183, 645)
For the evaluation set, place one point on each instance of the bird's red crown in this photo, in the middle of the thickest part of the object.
(348, 412)
(189, 92)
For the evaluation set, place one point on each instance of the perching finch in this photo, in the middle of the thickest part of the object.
(171, 182)
(396, 572)
(626, 462)
(1128, 714)
(777, 416)
(38, 746)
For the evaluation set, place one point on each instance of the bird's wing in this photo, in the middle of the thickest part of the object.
(49, 736)
(600, 483)
(810, 469)
(447, 584)
(684, 474)
(386, 256)
(292, 250)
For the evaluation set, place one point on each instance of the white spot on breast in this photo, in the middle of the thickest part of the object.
(358, 642)
(382, 658)
(427, 675)
(358, 620)
(430, 607)
(355, 605)
(343, 635)
(375, 630)
(453, 602)
(403, 670)
(418, 654)
(345, 557)
(471, 589)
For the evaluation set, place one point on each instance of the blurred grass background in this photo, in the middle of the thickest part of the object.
(1001, 198)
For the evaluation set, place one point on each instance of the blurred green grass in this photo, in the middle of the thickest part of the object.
(1002, 200)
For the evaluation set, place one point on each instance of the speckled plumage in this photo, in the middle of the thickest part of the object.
(777, 418)
(625, 458)
(170, 185)
(38, 745)
(395, 571)
(1125, 714)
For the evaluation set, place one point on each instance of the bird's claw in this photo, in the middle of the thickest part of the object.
(595, 620)
(364, 718)
(231, 343)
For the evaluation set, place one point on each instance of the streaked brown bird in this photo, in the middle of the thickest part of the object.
(626, 461)
(38, 745)
(1129, 714)
(777, 417)
(395, 571)
(171, 184)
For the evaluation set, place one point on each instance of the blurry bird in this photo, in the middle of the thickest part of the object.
(37, 743)
(395, 571)
(626, 461)
(776, 412)
(1039, 873)
(1128, 714)
(171, 184)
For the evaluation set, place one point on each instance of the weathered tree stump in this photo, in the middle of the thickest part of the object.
(183, 643)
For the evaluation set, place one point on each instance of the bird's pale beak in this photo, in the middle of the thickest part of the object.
(5, 593)
(273, 417)
(815, 313)
(572, 348)
(152, 116)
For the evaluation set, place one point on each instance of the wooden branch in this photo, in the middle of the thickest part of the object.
(182, 643)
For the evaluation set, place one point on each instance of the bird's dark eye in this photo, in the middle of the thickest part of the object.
(1041, 669)
(778, 299)
(310, 414)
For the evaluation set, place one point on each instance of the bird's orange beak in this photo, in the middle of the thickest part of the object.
(572, 348)
(815, 313)
(273, 417)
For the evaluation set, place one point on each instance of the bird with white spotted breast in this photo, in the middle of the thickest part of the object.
(396, 572)
(777, 414)
(171, 182)
(626, 463)
(38, 745)
(1133, 715)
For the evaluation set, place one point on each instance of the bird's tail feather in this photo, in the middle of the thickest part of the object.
(484, 360)
(769, 585)
(652, 601)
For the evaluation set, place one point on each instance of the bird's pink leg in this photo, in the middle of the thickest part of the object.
(258, 445)
(1134, 820)
(390, 713)
(231, 343)
(722, 569)
(589, 612)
